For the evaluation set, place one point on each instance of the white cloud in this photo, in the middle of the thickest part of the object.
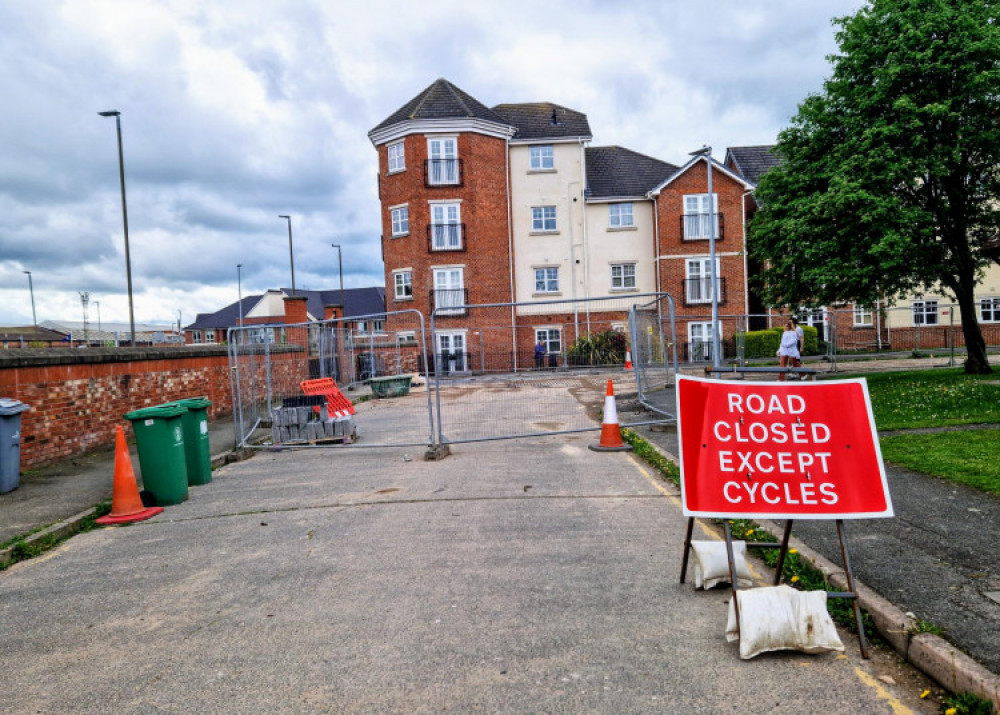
(235, 112)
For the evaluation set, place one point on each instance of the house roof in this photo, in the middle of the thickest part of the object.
(31, 333)
(752, 162)
(441, 100)
(544, 120)
(358, 301)
(613, 171)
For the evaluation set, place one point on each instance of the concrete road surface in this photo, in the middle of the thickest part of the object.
(528, 576)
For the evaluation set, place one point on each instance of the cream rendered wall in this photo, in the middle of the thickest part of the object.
(562, 188)
(271, 304)
(900, 315)
(617, 245)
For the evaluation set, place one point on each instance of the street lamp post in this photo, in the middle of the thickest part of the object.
(98, 304)
(706, 152)
(340, 266)
(291, 255)
(128, 261)
(31, 289)
(239, 289)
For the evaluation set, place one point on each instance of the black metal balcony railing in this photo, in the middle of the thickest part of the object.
(450, 301)
(698, 291)
(446, 237)
(695, 227)
(443, 172)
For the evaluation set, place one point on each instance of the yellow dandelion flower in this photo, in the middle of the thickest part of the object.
(795, 579)
(925, 694)
(951, 711)
(793, 551)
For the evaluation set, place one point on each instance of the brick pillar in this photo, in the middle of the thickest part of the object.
(332, 312)
(295, 312)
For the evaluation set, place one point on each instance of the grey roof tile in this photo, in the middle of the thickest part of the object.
(441, 100)
(544, 120)
(359, 301)
(613, 171)
(752, 162)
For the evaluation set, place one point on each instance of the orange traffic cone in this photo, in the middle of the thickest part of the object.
(611, 433)
(628, 360)
(126, 506)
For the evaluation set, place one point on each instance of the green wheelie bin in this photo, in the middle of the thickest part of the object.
(197, 450)
(159, 438)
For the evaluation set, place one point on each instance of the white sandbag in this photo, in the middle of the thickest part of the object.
(782, 618)
(711, 564)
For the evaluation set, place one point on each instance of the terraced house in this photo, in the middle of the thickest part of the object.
(511, 204)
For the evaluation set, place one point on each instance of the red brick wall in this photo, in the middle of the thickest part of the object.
(670, 208)
(483, 198)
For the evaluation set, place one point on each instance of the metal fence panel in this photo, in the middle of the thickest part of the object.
(507, 370)
(653, 332)
(377, 361)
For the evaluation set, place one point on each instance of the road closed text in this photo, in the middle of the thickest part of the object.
(773, 449)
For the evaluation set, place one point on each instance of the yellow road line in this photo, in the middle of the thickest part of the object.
(881, 693)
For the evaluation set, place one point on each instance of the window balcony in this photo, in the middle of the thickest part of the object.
(443, 172)
(695, 227)
(698, 291)
(446, 237)
(450, 301)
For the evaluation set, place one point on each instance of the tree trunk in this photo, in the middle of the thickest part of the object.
(976, 363)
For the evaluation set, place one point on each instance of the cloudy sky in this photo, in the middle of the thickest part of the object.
(235, 112)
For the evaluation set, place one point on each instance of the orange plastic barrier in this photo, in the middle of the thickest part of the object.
(337, 405)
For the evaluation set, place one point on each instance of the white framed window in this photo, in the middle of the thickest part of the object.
(863, 317)
(451, 352)
(622, 276)
(989, 310)
(547, 280)
(210, 335)
(543, 218)
(446, 227)
(550, 338)
(620, 216)
(442, 161)
(700, 341)
(407, 337)
(925, 312)
(449, 290)
(403, 284)
(400, 216)
(196, 336)
(363, 326)
(697, 215)
(542, 157)
(698, 283)
(397, 157)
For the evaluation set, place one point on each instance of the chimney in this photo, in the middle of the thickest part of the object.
(332, 312)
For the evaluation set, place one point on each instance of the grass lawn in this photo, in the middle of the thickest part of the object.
(933, 398)
(969, 457)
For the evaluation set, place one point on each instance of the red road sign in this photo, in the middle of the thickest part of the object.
(777, 450)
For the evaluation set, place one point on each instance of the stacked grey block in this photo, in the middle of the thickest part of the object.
(304, 424)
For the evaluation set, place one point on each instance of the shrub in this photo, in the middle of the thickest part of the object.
(607, 348)
(761, 343)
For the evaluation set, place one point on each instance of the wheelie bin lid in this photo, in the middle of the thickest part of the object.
(192, 403)
(10, 406)
(156, 412)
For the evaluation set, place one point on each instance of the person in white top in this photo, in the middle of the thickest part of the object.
(788, 352)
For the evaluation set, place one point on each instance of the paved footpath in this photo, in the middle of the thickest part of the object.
(528, 576)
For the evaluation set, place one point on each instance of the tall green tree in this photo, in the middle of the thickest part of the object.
(890, 177)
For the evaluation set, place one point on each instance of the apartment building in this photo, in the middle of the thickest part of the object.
(511, 204)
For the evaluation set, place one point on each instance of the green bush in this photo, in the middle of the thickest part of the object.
(764, 343)
(607, 348)
(761, 343)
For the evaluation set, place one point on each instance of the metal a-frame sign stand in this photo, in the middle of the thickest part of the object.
(782, 547)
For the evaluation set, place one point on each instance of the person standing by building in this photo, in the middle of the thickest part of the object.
(788, 352)
(539, 354)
